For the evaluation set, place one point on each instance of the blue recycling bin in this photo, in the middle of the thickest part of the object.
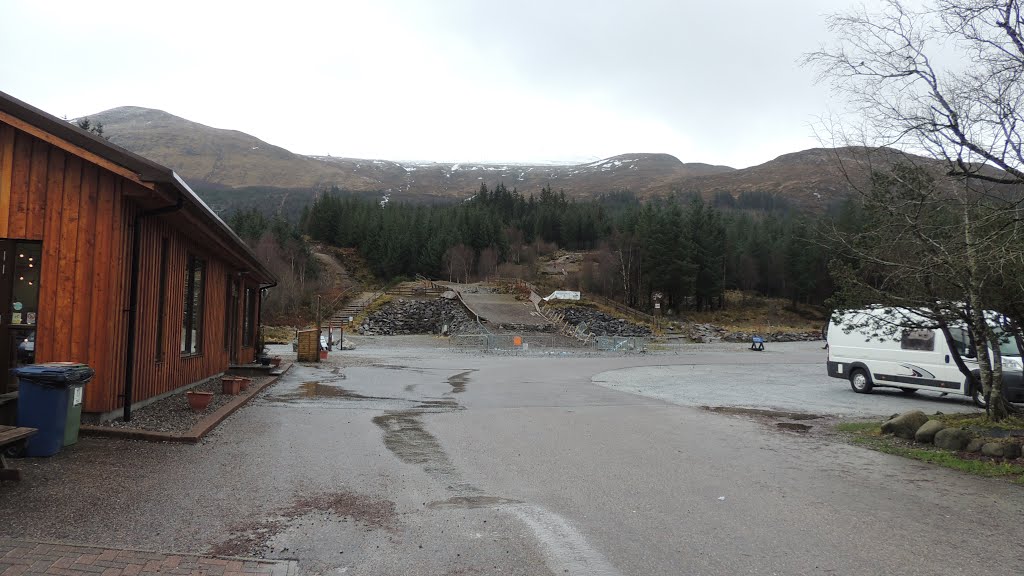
(50, 400)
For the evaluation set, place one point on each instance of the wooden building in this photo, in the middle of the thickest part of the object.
(111, 260)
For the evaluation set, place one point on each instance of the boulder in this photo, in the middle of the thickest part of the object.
(905, 425)
(974, 445)
(926, 433)
(952, 439)
(1007, 450)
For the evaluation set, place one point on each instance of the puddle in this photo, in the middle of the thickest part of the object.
(406, 438)
(761, 412)
(793, 426)
(441, 404)
(470, 502)
(458, 382)
(316, 390)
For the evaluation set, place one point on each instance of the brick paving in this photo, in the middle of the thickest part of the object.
(37, 558)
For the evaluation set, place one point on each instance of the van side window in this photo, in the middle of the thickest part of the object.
(922, 340)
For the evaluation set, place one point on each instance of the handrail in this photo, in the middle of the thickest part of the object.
(333, 305)
(622, 308)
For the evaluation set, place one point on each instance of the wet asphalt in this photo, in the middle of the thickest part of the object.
(399, 458)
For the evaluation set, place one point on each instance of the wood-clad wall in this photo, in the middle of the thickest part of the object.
(83, 215)
(158, 373)
(78, 211)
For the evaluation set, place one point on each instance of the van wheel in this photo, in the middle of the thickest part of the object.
(860, 382)
(908, 391)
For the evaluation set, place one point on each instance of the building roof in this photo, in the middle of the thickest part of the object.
(145, 169)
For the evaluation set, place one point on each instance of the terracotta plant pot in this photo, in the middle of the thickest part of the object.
(323, 354)
(275, 361)
(198, 401)
(245, 382)
(231, 385)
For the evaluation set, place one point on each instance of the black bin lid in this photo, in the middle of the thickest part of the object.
(56, 373)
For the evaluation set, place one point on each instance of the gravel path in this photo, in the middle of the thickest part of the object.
(172, 414)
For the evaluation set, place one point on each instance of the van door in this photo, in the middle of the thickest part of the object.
(924, 362)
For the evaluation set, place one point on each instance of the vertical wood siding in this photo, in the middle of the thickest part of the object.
(83, 217)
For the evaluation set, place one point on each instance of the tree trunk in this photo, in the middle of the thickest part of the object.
(998, 408)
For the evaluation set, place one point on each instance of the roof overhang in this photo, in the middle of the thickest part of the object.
(163, 184)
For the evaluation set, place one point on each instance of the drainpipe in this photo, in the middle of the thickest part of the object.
(263, 294)
(133, 301)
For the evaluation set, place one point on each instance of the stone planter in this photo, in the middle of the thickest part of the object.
(198, 401)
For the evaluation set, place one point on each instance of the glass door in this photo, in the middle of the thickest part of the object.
(20, 271)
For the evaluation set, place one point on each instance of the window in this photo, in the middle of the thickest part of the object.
(964, 342)
(192, 323)
(229, 313)
(921, 340)
(248, 319)
(161, 309)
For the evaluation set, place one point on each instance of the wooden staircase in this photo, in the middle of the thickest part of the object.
(352, 308)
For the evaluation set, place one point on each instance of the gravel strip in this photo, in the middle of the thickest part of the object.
(172, 414)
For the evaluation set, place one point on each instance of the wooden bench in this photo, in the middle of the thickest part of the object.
(11, 435)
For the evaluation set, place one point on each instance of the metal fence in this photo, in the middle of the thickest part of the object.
(515, 342)
(540, 342)
(622, 343)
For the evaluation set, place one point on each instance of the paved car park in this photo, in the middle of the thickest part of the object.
(405, 457)
(789, 377)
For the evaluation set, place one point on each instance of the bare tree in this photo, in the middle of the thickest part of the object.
(944, 82)
(458, 261)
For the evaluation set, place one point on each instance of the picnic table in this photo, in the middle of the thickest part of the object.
(10, 435)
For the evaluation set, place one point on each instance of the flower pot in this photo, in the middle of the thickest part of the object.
(198, 401)
(323, 354)
(231, 385)
(244, 383)
(275, 361)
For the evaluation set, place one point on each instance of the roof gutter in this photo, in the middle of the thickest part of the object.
(133, 301)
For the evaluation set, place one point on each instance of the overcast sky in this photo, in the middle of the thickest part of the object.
(444, 80)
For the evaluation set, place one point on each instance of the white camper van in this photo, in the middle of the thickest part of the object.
(911, 359)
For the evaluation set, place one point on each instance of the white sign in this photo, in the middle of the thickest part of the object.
(78, 396)
(657, 305)
(563, 295)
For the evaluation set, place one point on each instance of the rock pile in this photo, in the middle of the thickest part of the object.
(773, 336)
(915, 425)
(403, 317)
(704, 332)
(602, 324)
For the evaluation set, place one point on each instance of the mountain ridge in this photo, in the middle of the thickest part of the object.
(223, 159)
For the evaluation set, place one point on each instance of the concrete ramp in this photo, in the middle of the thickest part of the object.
(504, 309)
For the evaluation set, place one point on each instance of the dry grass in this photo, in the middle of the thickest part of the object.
(278, 334)
(373, 307)
(745, 313)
